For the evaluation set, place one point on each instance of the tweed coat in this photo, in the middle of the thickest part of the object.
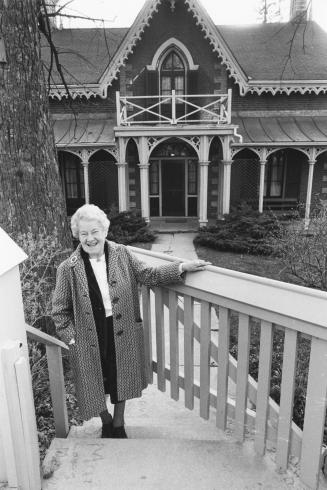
(74, 319)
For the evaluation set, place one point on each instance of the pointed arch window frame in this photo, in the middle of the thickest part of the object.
(170, 45)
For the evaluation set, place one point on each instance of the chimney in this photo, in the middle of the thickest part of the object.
(300, 10)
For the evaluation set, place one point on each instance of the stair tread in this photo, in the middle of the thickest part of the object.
(124, 464)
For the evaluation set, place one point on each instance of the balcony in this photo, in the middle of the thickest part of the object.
(174, 110)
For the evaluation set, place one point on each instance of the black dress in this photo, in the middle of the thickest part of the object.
(104, 327)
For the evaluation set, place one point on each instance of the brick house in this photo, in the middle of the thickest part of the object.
(178, 117)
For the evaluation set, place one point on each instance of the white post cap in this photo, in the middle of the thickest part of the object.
(10, 253)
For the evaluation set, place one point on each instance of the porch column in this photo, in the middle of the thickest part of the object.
(203, 211)
(144, 180)
(227, 166)
(122, 185)
(309, 192)
(262, 183)
(85, 162)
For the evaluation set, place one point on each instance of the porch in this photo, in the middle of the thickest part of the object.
(187, 331)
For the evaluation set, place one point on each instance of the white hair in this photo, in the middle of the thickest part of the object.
(88, 212)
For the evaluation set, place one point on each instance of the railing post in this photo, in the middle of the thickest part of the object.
(57, 389)
(118, 108)
(173, 106)
(315, 412)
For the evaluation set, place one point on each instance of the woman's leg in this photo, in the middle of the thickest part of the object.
(106, 417)
(119, 411)
(107, 428)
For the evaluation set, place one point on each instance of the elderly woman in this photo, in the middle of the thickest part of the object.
(96, 312)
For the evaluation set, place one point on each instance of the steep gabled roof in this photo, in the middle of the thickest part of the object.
(276, 58)
(278, 55)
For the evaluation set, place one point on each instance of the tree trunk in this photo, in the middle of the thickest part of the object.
(31, 197)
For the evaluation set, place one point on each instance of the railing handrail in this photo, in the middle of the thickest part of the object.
(44, 338)
(56, 377)
(264, 294)
(184, 96)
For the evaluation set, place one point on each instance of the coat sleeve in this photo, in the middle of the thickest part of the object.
(62, 306)
(154, 276)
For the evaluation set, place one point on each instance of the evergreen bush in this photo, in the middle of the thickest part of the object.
(244, 230)
(129, 227)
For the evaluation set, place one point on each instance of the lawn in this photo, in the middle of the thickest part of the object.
(259, 265)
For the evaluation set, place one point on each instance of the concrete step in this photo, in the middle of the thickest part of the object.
(150, 464)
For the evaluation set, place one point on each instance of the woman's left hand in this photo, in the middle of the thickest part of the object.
(194, 265)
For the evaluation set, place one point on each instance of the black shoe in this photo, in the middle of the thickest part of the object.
(107, 431)
(119, 432)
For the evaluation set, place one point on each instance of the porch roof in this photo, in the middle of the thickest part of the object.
(286, 130)
(85, 131)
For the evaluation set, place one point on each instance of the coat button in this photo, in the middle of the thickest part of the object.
(120, 332)
(115, 300)
(118, 316)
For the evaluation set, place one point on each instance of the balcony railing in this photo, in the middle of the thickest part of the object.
(180, 339)
(181, 315)
(174, 109)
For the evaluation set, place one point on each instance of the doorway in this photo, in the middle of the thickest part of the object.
(173, 187)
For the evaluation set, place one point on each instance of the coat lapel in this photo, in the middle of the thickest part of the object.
(112, 260)
(77, 265)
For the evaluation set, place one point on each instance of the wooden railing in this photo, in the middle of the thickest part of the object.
(178, 322)
(56, 377)
(178, 338)
(174, 109)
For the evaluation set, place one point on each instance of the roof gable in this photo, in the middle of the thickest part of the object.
(143, 19)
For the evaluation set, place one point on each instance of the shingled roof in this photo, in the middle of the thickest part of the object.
(84, 53)
(265, 52)
(288, 51)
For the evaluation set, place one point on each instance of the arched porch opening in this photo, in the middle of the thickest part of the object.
(173, 179)
(103, 180)
(245, 174)
(72, 178)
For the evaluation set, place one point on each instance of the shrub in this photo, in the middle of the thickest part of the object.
(244, 230)
(304, 251)
(38, 273)
(301, 375)
(129, 227)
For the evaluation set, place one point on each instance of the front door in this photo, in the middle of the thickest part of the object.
(173, 187)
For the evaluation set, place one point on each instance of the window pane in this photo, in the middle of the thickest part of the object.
(177, 62)
(74, 178)
(154, 178)
(274, 177)
(168, 63)
(192, 177)
(166, 84)
(81, 182)
(179, 85)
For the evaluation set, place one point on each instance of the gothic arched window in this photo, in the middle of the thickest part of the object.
(172, 74)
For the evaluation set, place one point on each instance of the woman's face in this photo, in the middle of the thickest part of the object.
(92, 237)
